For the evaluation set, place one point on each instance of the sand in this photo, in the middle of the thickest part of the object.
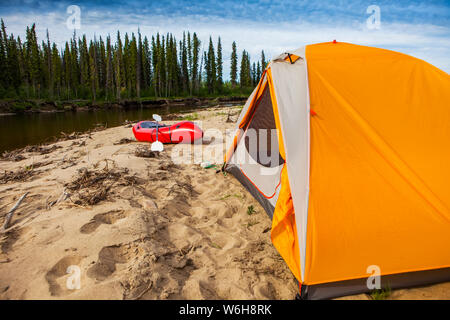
(143, 228)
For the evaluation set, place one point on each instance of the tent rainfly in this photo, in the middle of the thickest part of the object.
(347, 148)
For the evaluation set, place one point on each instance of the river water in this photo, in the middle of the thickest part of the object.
(20, 130)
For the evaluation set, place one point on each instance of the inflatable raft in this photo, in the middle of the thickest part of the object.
(181, 132)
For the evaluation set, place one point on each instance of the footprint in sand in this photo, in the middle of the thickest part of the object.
(52, 235)
(57, 276)
(108, 257)
(109, 217)
(15, 236)
(199, 290)
(265, 290)
(9, 238)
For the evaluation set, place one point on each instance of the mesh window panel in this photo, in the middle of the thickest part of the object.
(263, 121)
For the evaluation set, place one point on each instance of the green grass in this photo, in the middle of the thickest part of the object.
(20, 106)
(191, 117)
(381, 294)
(235, 195)
(251, 210)
(215, 245)
(251, 224)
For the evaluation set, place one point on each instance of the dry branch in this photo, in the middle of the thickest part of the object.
(9, 215)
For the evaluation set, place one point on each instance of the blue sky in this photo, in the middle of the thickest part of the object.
(418, 28)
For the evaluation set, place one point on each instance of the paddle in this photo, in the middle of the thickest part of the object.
(157, 145)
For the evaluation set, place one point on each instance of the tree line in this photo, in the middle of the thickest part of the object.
(114, 69)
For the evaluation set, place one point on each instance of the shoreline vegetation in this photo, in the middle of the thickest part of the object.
(129, 67)
(17, 106)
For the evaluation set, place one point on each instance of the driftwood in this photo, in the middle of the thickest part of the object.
(64, 195)
(9, 215)
(92, 186)
(145, 152)
(229, 117)
(72, 204)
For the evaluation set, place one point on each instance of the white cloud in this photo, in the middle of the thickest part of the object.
(425, 41)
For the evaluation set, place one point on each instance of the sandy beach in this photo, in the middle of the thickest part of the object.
(139, 227)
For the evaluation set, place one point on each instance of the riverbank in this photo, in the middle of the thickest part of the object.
(41, 106)
(138, 227)
(32, 128)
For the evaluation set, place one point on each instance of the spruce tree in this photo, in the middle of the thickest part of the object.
(56, 62)
(133, 61)
(190, 61)
(184, 65)
(211, 70)
(155, 61)
(253, 74)
(109, 70)
(67, 69)
(3, 67)
(234, 62)
(74, 65)
(4, 47)
(93, 69)
(242, 75)
(13, 64)
(117, 74)
(127, 65)
(120, 69)
(146, 65)
(22, 69)
(101, 64)
(258, 71)
(195, 63)
(248, 70)
(219, 67)
(49, 66)
(172, 66)
(34, 60)
(168, 65)
(139, 65)
(176, 71)
(204, 64)
(245, 74)
(263, 61)
(84, 65)
(45, 74)
(162, 66)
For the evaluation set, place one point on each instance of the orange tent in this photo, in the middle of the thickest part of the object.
(347, 148)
